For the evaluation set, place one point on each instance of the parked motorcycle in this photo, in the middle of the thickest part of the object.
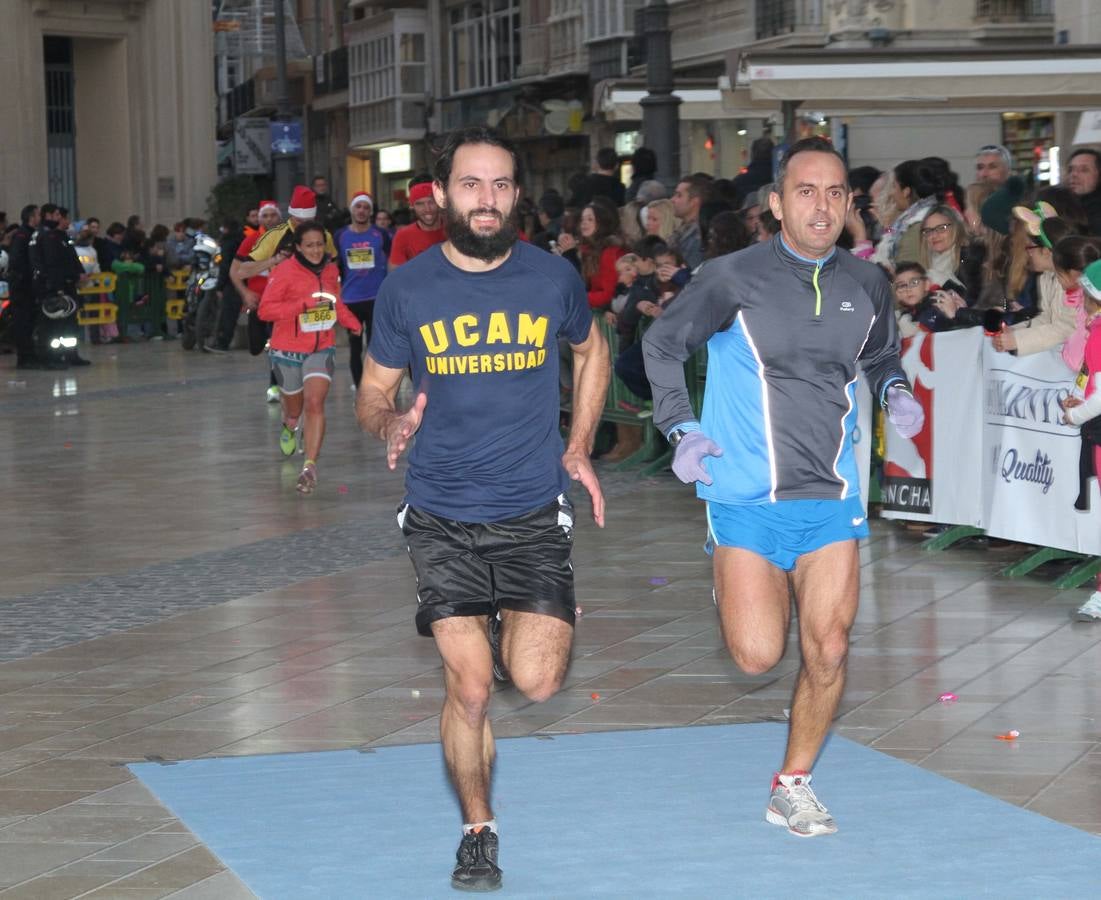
(201, 300)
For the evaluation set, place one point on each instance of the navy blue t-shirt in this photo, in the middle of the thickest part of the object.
(483, 345)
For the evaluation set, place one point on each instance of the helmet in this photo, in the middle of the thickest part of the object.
(204, 243)
(58, 306)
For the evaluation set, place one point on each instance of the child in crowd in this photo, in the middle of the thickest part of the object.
(923, 304)
(127, 264)
(673, 275)
(626, 269)
(1086, 411)
(643, 288)
(1070, 259)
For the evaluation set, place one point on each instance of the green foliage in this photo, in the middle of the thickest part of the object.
(231, 198)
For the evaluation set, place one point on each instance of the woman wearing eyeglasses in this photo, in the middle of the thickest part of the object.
(948, 255)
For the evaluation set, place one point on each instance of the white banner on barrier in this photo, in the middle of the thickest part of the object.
(937, 475)
(1031, 470)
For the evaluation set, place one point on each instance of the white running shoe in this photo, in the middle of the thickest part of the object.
(1090, 611)
(794, 806)
(273, 394)
(307, 479)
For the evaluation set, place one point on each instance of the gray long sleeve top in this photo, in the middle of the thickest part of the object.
(784, 336)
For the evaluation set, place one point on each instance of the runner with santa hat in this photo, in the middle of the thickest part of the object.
(426, 231)
(363, 252)
(277, 244)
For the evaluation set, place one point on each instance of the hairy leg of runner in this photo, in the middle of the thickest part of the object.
(292, 408)
(827, 587)
(464, 723)
(754, 608)
(536, 651)
(315, 391)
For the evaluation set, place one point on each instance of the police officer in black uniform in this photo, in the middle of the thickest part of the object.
(20, 289)
(57, 270)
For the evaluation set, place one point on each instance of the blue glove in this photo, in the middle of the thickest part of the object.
(904, 412)
(688, 457)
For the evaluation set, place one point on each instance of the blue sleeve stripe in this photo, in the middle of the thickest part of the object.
(689, 425)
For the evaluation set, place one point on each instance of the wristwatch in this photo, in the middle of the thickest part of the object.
(676, 436)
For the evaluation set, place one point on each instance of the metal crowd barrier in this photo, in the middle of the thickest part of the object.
(622, 407)
(97, 312)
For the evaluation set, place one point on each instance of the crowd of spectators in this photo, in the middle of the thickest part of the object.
(1003, 253)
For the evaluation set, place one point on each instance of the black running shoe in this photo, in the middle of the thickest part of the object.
(477, 869)
(500, 673)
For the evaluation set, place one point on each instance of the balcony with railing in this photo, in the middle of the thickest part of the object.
(776, 18)
(388, 77)
(609, 32)
(331, 72)
(1012, 11)
(535, 51)
(566, 24)
(608, 19)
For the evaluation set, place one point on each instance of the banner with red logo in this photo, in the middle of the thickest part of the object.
(937, 476)
(1031, 472)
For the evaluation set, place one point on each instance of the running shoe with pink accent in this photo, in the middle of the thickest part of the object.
(794, 806)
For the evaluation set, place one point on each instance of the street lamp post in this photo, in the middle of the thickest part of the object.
(660, 116)
(283, 162)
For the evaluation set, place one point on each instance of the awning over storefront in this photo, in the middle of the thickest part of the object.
(862, 81)
(620, 101)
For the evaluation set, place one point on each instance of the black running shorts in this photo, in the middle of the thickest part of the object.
(476, 568)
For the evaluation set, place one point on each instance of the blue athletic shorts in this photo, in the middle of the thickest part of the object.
(783, 531)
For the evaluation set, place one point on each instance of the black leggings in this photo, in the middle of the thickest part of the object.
(358, 343)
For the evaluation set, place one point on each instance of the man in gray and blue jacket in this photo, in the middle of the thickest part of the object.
(785, 322)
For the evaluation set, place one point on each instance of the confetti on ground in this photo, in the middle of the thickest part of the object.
(577, 612)
(1009, 736)
(659, 581)
(416, 693)
(595, 696)
(948, 698)
(342, 489)
(68, 445)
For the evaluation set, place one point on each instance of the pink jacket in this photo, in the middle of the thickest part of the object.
(290, 292)
(1074, 348)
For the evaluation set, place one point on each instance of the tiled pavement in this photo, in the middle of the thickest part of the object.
(166, 594)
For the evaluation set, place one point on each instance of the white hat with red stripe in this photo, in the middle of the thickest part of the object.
(269, 204)
(361, 197)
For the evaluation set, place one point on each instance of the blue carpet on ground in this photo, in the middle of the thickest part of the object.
(661, 813)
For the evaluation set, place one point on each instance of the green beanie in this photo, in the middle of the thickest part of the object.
(998, 209)
(1091, 280)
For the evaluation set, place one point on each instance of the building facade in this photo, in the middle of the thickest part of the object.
(884, 78)
(108, 107)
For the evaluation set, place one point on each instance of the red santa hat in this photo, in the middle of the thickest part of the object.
(269, 204)
(361, 197)
(303, 203)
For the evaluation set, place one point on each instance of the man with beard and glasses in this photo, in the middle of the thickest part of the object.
(485, 516)
(425, 231)
(785, 323)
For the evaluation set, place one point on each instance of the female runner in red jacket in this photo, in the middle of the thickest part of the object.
(302, 299)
